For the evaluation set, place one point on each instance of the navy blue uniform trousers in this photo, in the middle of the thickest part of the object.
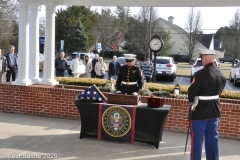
(207, 129)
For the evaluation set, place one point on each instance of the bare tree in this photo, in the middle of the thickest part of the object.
(193, 26)
(122, 21)
(105, 28)
(144, 15)
(137, 36)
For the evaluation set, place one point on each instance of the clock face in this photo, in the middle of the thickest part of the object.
(155, 44)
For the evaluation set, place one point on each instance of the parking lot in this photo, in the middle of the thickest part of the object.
(185, 81)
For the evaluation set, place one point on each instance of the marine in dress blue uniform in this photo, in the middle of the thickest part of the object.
(129, 77)
(207, 85)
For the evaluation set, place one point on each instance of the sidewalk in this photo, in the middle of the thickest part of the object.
(33, 136)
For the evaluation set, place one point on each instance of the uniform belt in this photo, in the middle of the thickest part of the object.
(129, 83)
(208, 97)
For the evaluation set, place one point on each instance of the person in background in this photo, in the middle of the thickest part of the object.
(100, 68)
(2, 66)
(147, 70)
(94, 61)
(88, 64)
(114, 67)
(12, 64)
(207, 85)
(60, 65)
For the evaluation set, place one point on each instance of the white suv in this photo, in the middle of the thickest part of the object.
(165, 67)
(197, 65)
(235, 74)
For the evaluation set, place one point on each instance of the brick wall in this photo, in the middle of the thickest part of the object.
(58, 102)
(39, 100)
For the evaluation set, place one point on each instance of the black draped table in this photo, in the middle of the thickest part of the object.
(149, 122)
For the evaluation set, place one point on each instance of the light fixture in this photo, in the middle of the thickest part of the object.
(177, 89)
(111, 84)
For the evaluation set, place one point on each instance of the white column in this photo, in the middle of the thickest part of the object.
(34, 44)
(23, 45)
(49, 46)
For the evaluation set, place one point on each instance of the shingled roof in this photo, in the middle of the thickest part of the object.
(180, 31)
(217, 45)
(206, 40)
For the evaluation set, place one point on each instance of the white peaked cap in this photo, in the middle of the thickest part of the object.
(207, 52)
(129, 56)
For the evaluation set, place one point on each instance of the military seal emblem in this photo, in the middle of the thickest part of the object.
(116, 121)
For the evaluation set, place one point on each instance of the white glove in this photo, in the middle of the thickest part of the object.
(135, 93)
(118, 92)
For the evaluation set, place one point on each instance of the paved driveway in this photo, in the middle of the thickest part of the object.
(35, 137)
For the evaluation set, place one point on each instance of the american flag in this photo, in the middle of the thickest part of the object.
(90, 94)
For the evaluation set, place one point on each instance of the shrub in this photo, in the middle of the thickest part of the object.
(81, 81)
(159, 90)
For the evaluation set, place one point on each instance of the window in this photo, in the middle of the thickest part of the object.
(199, 63)
(121, 60)
(162, 61)
(238, 65)
(73, 56)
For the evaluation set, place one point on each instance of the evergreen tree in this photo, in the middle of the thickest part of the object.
(66, 20)
(78, 39)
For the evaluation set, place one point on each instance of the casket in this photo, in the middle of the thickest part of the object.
(122, 99)
(155, 102)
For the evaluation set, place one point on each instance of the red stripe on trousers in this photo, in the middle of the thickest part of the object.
(192, 141)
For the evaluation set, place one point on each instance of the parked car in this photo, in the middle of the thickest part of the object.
(73, 56)
(234, 75)
(228, 59)
(197, 65)
(166, 67)
(41, 59)
(122, 60)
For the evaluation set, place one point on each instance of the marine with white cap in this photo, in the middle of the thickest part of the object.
(129, 77)
(207, 85)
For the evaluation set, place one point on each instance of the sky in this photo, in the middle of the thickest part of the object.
(212, 17)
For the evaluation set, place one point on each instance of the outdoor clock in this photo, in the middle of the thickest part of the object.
(156, 43)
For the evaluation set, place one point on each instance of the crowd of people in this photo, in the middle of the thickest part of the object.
(86, 68)
(96, 68)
